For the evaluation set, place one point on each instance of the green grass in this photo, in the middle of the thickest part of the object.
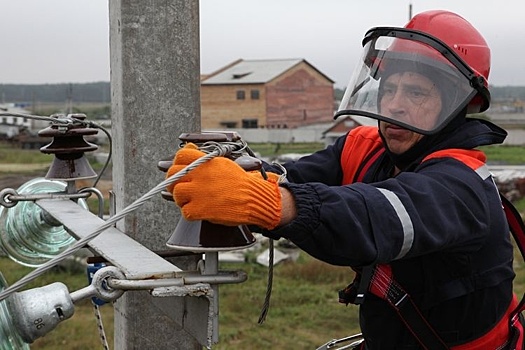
(273, 149)
(520, 205)
(11, 155)
(93, 110)
(511, 155)
(303, 312)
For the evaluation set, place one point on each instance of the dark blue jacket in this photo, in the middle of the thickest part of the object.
(439, 224)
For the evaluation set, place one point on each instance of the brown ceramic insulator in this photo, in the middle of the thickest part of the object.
(68, 146)
(164, 165)
(68, 139)
(203, 236)
(223, 136)
(167, 196)
(249, 163)
(70, 167)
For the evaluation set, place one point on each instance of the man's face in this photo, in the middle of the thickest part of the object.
(413, 99)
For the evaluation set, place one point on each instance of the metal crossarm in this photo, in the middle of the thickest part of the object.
(131, 257)
(137, 262)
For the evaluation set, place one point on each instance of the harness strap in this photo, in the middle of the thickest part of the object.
(515, 223)
(383, 285)
(367, 164)
(497, 337)
(517, 228)
(366, 277)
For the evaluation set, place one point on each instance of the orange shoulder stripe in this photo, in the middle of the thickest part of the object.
(360, 143)
(471, 158)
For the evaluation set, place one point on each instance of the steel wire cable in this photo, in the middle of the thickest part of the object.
(220, 149)
(100, 326)
(65, 121)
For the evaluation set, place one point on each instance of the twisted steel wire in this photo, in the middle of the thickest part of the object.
(65, 121)
(100, 326)
(220, 149)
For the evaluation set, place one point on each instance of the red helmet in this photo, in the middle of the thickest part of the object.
(463, 39)
(439, 45)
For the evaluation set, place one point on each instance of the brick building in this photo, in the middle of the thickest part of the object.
(284, 93)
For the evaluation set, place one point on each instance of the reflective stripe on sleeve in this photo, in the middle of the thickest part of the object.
(404, 218)
(483, 172)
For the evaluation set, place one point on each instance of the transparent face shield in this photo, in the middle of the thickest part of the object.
(408, 82)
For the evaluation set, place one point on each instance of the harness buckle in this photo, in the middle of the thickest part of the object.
(355, 341)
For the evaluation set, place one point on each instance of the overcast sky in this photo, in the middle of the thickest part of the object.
(57, 41)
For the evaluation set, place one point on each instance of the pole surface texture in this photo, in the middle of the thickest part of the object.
(155, 68)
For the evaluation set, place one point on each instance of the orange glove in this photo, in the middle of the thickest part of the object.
(270, 176)
(182, 159)
(220, 191)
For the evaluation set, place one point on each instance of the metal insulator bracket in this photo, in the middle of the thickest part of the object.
(100, 286)
(10, 197)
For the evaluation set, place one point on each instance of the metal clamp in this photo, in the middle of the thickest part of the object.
(100, 286)
(222, 277)
(356, 340)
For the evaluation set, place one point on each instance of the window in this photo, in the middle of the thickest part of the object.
(229, 124)
(249, 123)
(240, 75)
(240, 95)
(254, 94)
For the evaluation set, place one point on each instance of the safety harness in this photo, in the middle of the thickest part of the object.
(508, 333)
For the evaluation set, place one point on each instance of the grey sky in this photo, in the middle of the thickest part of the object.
(53, 41)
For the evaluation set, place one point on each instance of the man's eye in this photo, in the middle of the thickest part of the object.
(417, 94)
(388, 91)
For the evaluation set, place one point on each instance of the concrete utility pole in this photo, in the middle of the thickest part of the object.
(155, 84)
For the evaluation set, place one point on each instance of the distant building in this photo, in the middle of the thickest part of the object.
(10, 125)
(19, 130)
(285, 93)
(343, 125)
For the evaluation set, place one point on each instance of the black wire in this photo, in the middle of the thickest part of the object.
(266, 304)
(110, 141)
(269, 285)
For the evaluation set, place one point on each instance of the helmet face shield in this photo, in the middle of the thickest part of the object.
(403, 78)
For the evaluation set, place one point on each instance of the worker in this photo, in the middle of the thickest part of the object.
(408, 203)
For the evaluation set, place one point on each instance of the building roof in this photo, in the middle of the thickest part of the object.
(345, 123)
(252, 71)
